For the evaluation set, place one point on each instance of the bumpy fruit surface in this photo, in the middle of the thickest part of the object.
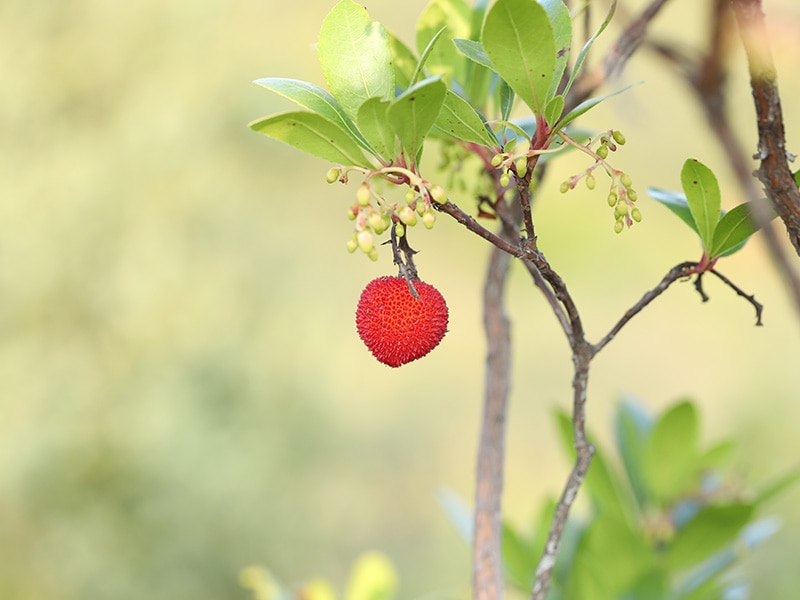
(396, 327)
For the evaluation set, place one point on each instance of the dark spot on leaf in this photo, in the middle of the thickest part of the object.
(695, 182)
(412, 98)
(561, 52)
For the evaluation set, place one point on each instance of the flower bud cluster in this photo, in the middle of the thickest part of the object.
(511, 164)
(373, 214)
(621, 196)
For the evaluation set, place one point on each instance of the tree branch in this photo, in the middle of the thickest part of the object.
(774, 172)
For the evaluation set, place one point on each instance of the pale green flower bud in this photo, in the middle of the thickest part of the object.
(363, 195)
(407, 216)
(333, 175)
(438, 194)
(352, 244)
(636, 215)
(619, 138)
(618, 227)
(366, 241)
(428, 219)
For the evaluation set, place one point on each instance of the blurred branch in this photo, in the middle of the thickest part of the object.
(707, 76)
(774, 172)
(487, 557)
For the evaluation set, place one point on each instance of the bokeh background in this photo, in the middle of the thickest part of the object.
(182, 391)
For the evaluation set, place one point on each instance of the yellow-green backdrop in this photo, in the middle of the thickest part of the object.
(182, 391)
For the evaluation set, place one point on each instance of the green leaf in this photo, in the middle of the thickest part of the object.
(356, 57)
(518, 38)
(455, 16)
(458, 119)
(704, 198)
(373, 122)
(404, 62)
(670, 456)
(677, 203)
(711, 529)
(733, 229)
(561, 22)
(373, 578)
(315, 99)
(519, 558)
(587, 105)
(778, 486)
(426, 54)
(474, 51)
(554, 109)
(413, 113)
(585, 50)
(313, 133)
(505, 100)
(796, 176)
(632, 430)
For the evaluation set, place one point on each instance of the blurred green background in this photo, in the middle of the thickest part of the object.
(182, 391)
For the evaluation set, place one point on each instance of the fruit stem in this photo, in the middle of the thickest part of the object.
(406, 267)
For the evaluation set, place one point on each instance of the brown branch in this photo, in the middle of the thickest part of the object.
(774, 172)
(486, 555)
(677, 272)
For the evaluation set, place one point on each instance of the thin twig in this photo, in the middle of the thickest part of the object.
(759, 308)
(677, 272)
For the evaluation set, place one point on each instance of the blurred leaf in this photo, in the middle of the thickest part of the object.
(313, 133)
(455, 18)
(355, 56)
(413, 113)
(373, 578)
(600, 482)
(653, 585)
(474, 51)
(372, 121)
(262, 583)
(778, 486)
(457, 512)
(632, 430)
(404, 62)
(458, 119)
(519, 559)
(708, 532)
(797, 177)
(518, 38)
(717, 455)
(425, 55)
(677, 203)
(610, 558)
(584, 51)
(318, 589)
(704, 198)
(734, 228)
(561, 22)
(670, 456)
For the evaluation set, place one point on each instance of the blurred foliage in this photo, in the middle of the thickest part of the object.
(182, 391)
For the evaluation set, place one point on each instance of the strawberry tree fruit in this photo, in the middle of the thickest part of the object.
(397, 327)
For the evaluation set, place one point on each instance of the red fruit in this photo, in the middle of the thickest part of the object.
(396, 327)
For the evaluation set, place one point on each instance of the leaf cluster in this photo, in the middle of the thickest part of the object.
(666, 524)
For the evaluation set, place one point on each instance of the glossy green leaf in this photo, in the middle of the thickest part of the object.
(372, 121)
(373, 578)
(519, 40)
(356, 57)
(587, 105)
(404, 62)
(455, 17)
(677, 203)
(459, 119)
(561, 22)
(505, 100)
(554, 109)
(315, 99)
(413, 113)
(711, 529)
(425, 55)
(670, 456)
(313, 133)
(733, 229)
(585, 50)
(474, 51)
(704, 198)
